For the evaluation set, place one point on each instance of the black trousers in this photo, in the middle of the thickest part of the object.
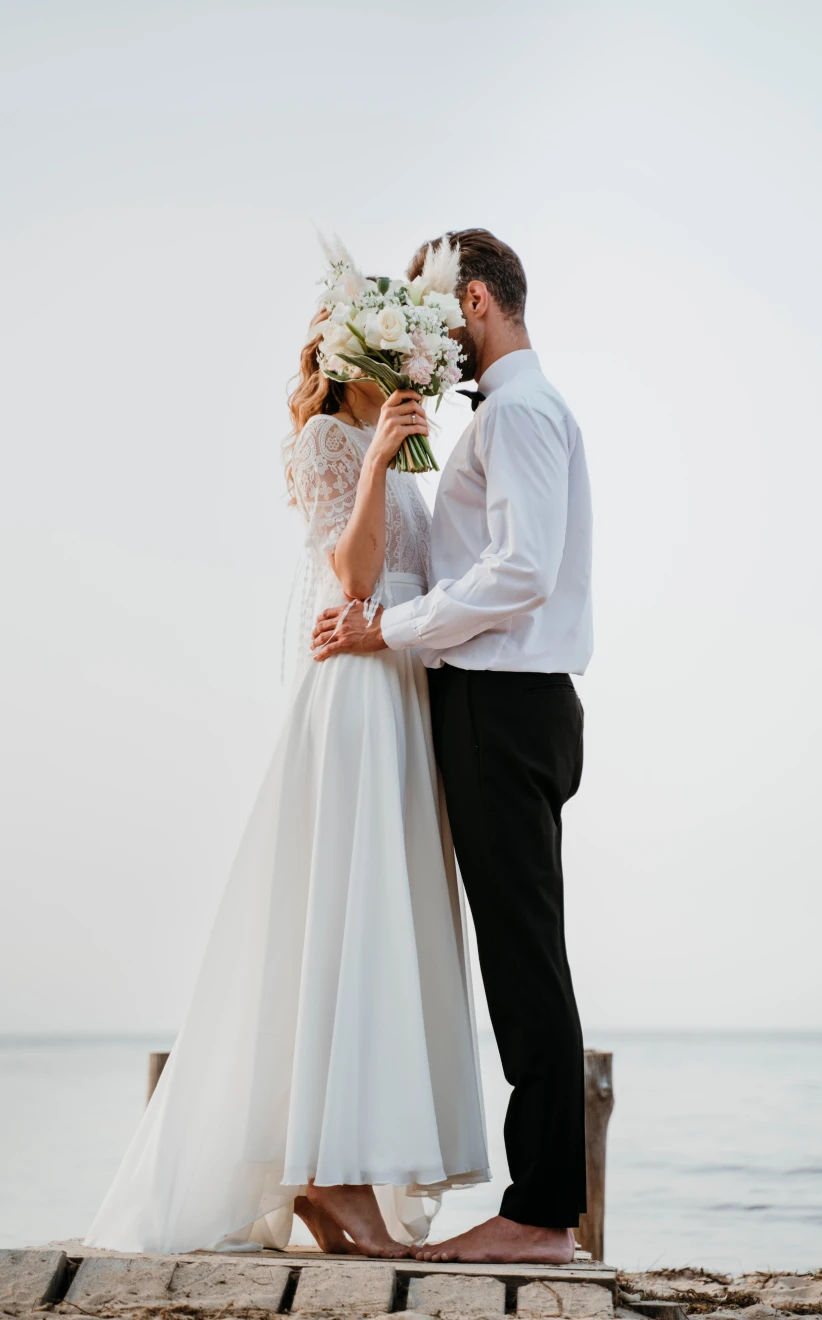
(509, 747)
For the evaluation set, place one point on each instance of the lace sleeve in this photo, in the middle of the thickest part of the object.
(326, 468)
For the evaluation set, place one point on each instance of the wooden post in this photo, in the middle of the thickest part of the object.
(156, 1064)
(599, 1101)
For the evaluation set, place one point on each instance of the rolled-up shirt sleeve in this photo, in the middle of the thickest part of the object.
(524, 456)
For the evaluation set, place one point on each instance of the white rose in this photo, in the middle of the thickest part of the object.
(449, 306)
(388, 329)
(433, 344)
(338, 339)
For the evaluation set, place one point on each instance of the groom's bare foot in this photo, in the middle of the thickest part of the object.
(502, 1241)
(355, 1211)
(326, 1232)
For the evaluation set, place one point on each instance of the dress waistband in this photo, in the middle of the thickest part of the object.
(413, 579)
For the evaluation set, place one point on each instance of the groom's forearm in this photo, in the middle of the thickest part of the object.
(455, 611)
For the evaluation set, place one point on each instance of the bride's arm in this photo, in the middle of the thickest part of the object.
(357, 558)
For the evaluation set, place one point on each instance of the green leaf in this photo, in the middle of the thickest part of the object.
(378, 371)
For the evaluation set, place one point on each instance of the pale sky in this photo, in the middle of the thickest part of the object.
(164, 164)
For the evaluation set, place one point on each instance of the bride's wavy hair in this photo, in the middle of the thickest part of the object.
(313, 393)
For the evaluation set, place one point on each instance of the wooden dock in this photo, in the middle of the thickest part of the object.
(69, 1279)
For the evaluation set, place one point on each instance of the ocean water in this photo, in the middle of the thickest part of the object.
(714, 1147)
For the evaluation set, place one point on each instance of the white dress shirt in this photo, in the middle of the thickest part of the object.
(511, 537)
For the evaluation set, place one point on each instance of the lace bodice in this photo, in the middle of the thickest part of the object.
(326, 464)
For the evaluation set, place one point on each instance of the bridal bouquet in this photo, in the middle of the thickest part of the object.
(394, 332)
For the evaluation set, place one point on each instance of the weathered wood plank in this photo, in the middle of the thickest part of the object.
(341, 1290)
(31, 1277)
(104, 1286)
(593, 1273)
(457, 1296)
(571, 1301)
(212, 1283)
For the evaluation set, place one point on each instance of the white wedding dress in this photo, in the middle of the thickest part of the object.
(330, 1034)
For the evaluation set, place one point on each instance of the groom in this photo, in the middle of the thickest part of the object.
(508, 619)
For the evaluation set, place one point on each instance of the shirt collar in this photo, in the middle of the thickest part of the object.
(506, 367)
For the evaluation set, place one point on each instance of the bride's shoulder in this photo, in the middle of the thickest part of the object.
(325, 439)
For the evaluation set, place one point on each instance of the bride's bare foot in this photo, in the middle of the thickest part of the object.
(326, 1231)
(502, 1241)
(354, 1210)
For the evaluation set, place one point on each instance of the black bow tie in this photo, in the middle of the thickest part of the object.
(475, 397)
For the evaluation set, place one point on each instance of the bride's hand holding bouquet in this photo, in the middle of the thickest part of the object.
(402, 416)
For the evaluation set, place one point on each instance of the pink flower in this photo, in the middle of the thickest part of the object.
(418, 369)
(419, 365)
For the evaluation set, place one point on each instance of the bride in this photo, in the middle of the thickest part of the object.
(327, 1064)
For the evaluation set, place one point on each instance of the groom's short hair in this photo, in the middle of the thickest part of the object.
(486, 258)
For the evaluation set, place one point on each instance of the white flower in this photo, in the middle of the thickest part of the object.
(342, 313)
(387, 329)
(416, 288)
(338, 339)
(331, 295)
(449, 306)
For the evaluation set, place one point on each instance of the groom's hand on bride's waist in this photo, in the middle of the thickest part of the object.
(345, 631)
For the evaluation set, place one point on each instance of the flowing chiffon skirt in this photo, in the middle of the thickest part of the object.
(330, 1034)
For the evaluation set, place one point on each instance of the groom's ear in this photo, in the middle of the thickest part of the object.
(476, 297)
